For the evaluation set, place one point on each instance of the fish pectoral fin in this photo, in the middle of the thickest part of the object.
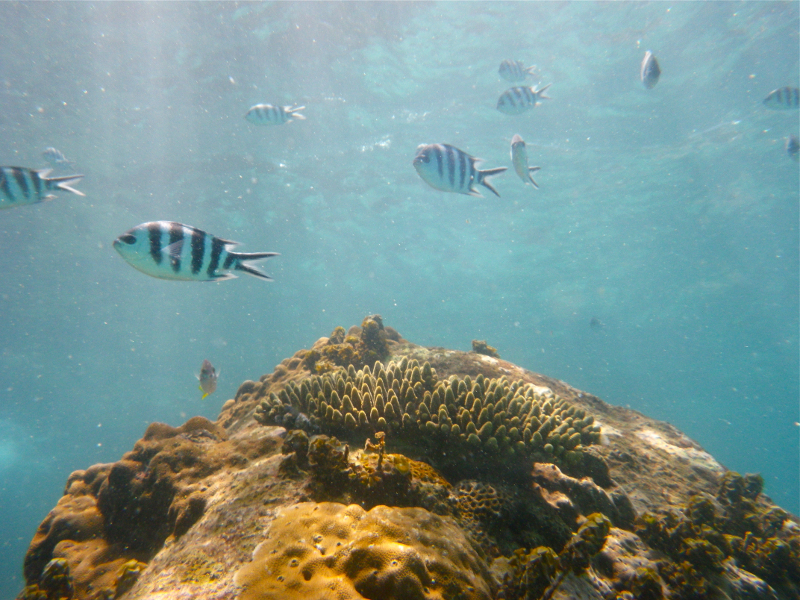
(174, 249)
(203, 397)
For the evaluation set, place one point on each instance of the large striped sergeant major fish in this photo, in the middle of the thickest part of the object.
(170, 250)
(20, 186)
(785, 98)
(267, 114)
(517, 100)
(446, 168)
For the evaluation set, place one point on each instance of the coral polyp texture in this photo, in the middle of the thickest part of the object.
(330, 550)
(368, 467)
(491, 420)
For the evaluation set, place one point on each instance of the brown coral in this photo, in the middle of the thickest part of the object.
(116, 513)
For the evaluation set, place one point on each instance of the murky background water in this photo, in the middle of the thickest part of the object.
(669, 215)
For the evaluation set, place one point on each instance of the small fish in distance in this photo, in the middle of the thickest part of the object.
(515, 70)
(519, 158)
(446, 168)
(650, 71)
(785, 98)
(596, 324)
(267, 114)
(793, 147)
(56, 158)
(20, 186)
(169, 250)
(517, 100)
(208, 379)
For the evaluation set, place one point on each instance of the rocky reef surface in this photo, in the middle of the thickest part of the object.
(371, 468)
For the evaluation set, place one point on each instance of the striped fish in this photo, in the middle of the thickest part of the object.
(786, 98)
(20, 186)
(793, 147)
(649, 72)
(56, 157)
(267, 114)
(519, 157)
(446, 168)
(517, 100)
(515, 70)
(169, 250)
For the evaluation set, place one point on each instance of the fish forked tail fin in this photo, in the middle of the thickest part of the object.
(61, 183)
(541, 93)
(243, 258)
(484, 178)
(530, 177)
(293, 111)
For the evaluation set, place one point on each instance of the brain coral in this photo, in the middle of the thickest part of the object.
(410, 403)
(330, 550)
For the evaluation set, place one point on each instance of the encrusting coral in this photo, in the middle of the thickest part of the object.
(488, 420)
(114, 517)
(330, 550)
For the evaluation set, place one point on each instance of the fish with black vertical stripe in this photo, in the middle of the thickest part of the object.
(517, 100)
(20, 186)
(169, 250)
(446, 168)
(785, 98)
(792, 147)
(515, 70)
(267, 114)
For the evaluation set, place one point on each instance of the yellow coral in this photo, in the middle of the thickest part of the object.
(329, 550)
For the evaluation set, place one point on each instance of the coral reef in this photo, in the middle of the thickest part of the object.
(327, 549)
(113, 518)
(481, 347)
(487, 421)
(699, 540)
(540, 572)
(439, 474)
(360, 347)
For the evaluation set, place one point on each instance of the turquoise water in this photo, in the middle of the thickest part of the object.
(670, 215)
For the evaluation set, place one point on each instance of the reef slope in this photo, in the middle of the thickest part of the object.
(478, 479)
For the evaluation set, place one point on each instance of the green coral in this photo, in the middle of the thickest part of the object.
(489, 420)
(343, 350)
(481, 347)
(737, 524)
(538, 574)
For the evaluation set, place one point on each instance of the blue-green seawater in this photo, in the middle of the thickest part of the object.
(670, 215)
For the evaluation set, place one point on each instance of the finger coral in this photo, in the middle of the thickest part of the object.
(489, 420)
(331, 550)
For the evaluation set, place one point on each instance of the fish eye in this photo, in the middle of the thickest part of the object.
(128, 238)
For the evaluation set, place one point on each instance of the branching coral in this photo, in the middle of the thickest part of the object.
(487, 420)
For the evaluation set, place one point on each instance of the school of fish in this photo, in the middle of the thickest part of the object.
(175, 251)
